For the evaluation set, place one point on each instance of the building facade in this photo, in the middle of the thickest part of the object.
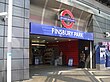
(90, 16)
(20, 40)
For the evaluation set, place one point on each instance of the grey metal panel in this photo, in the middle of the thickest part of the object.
(16, 53)
(17, 75)
(101, 19)
(95, 23)
(26, 43)
(26, 35)
(26, 53)
(17, 64)
(1, 76)
(5, 65)
(1, 30)
(99, 30)
(108, 25)
(18, 21)
(1, 53)
(17, 11)
(1, 41)
(1, 65)
(27, 23)
(26, 74)
(99, 35)
(27, 13)
(5, 76)
(108, 22)
(19, 3)
(2, 0)
(26, 63)
(2, 7)
(27, 4)
(6, 30)
(102, 24)
(17, 42)
(17, 32)
(99, 24)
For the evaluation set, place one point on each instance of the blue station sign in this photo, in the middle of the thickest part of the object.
(58, 31)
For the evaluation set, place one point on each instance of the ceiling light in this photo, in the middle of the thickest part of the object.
(43, 40)
(56, 38)
(69, 40)
(33, 41)
(38, 37)
(38, 45)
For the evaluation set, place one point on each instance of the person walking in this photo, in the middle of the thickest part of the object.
(82, 60)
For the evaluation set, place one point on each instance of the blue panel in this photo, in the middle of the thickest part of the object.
(97, 55)
(58, 31)
(108, 60)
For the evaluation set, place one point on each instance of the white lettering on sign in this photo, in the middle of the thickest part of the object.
(62, 32)
(78, 34)
(66, 32)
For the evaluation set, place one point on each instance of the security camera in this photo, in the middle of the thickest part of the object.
(3, 13)
(3, 16)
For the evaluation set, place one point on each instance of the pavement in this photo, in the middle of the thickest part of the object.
(67, 74)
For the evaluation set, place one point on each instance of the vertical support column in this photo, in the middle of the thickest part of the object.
(91, 54)
(9, 40)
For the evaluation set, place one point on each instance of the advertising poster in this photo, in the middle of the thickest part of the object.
(102, 56)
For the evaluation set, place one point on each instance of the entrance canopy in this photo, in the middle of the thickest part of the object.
(59, 32)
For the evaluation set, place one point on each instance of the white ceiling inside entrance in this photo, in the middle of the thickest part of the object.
(47, 39)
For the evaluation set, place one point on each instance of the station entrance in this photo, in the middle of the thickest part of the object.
(57, 51)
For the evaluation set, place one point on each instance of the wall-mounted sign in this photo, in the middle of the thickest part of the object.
(60, 32)
(107, 34)
(67, 19)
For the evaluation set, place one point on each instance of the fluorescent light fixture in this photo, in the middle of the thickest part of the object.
(38, 45)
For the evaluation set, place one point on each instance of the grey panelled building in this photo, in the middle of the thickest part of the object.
(20, 40)
(25, 11)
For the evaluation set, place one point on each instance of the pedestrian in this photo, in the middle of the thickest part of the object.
(82, 60)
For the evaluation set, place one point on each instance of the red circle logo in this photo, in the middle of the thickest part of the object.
(64, 18)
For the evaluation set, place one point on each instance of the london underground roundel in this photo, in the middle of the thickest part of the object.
(67, 18)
